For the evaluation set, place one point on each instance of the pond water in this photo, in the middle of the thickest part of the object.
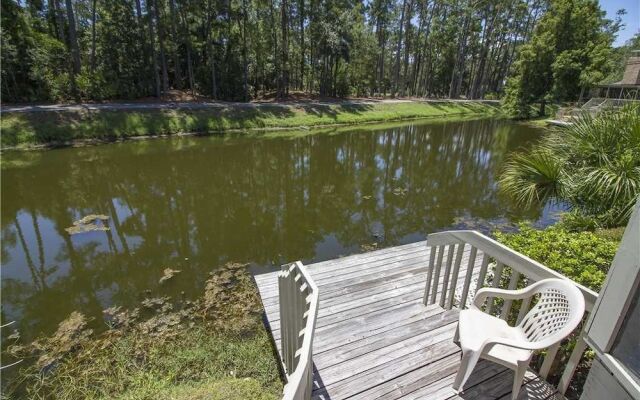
(195, 203)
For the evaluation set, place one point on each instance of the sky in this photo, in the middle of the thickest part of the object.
(631, 20)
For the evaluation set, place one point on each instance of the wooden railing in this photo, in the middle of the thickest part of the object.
(487, 262)
(298, 313)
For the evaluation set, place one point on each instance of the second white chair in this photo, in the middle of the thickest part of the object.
(557, 312)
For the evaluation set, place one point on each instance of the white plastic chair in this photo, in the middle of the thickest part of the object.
(556, 314)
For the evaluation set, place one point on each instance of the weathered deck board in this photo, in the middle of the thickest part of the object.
(376, 340)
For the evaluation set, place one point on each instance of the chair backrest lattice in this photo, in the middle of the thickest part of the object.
(548, 316)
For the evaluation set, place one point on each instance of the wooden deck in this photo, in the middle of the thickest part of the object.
(375, 339)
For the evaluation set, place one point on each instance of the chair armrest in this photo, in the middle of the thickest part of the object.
(482, 294)
(520, 344)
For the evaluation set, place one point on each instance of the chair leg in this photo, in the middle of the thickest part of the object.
(467, 364)
(456, 336)
(518, 378)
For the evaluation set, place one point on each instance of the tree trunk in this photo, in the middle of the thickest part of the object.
(421, 85)
(335, 76)
(276, 56)
(59, 16)
(302, 49)
(212, 61)
(417, 55)
(177, 72)
(144, 74)
(245, 66)
(487, 39)
(312, 64)
(138, 10)
(407, 45)
(73, 38)
(379, 61)
(93, 36)
(456, 75)
(52, 17)
(283, 89)
(186, 38)
(190, 69)
(152, 40)
(396, 70)
(76, 66)
(163, 59)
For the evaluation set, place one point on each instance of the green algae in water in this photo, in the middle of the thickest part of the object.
(89, 223)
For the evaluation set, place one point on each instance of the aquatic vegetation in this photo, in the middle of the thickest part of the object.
(215, 345)
(89, 223)
(484, 225)
(167, 274)
(400, 191)
(369, 247)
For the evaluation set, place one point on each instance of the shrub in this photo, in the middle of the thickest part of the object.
(592, 165)
(584, 257)
(575, 221)
(492, 96)
(49, 68)
(581, 256)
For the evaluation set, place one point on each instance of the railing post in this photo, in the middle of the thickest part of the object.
(298, 323)
(436, 275)
(497, 275)
(283, 296)
(447, 273)
(467, 279)
(291, 316)
(572, 364)
(454, 275)
(483, 271)
(549, 358)
(513, 284)
(427, 288)
(524, 309)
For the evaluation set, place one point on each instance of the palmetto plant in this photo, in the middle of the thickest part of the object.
(593, 165)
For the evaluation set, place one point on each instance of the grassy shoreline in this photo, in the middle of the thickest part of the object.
(215, 347)
(63, 128)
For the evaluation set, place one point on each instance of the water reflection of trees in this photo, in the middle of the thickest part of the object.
(215, 200)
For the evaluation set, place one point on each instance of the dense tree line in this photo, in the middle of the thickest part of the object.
(242, 49)
(570, 50)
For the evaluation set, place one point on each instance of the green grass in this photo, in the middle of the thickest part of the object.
(185, 366)
(226, 389)
(55, 128)
(215, 347)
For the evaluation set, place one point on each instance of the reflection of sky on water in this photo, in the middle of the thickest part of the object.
(196, 203)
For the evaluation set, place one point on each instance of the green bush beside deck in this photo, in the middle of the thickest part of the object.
(584, 257)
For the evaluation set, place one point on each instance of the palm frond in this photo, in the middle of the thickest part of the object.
(533, 177)
(594, 165)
